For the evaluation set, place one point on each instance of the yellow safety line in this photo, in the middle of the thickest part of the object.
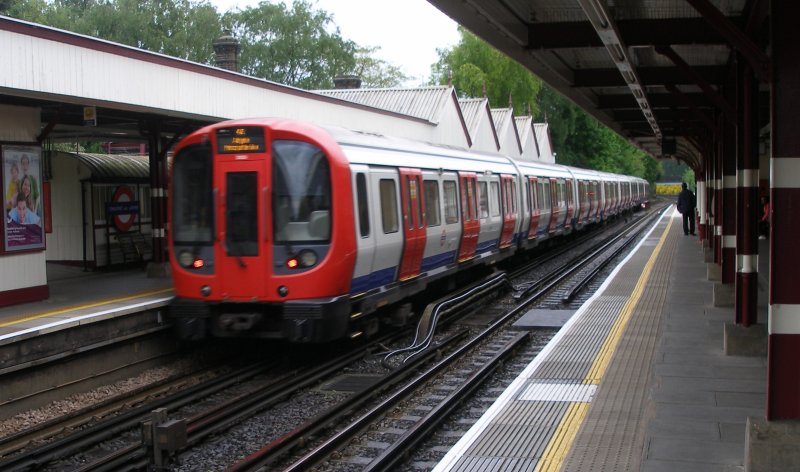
(557, 449)
(559, 445)
(82, 307)
(600, 364)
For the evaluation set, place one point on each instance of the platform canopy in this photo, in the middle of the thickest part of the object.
(651, 70)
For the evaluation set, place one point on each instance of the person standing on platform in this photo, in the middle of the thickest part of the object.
(686, 204)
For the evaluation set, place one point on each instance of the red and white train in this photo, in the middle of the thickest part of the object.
(283, 229)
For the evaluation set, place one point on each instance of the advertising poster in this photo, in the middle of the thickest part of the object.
(22, 198)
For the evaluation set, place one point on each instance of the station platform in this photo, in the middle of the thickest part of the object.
(80, 297)
(636, 380)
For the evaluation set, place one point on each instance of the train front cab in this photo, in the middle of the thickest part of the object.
(254, 247)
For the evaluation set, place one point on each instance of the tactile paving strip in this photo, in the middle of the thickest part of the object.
(535, 429)
(612, 435)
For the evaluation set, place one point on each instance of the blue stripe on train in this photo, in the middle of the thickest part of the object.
(386, 276)
(433, 262)
(373, 280)
(486, 246)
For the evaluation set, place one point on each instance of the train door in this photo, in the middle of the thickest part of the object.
(594, 195)
(555, 208)
(582, 206)
(534, 205)
(545, 207)
(469, 215)
(365, 235)
(385, 187)
(413, 222)
(570, 202)
(242, 199)
(509, 199)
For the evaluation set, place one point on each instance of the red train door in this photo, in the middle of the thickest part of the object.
(570, 205)
(509, 210)
(471, 225)
(413, 222)
(535, 212)
(242, 225)
(555, 207)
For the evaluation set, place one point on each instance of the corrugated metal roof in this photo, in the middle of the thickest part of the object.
(473, 109)
(524, 125)
(501, 117)
(114, 166)
(543, 137)
(420, 102)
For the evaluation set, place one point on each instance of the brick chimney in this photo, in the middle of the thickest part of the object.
(226, 52)
(347, 82)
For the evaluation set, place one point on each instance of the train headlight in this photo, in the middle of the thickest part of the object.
(185, 258)
(307, 258)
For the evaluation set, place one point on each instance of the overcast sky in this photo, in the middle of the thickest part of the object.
(408, 32)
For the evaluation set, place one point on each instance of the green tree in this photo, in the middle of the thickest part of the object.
(475, 65)
(688, 177)
(178, 28)
(296, 46)
(376, 72)
(578, 138)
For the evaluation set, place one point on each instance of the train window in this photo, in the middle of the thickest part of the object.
(432, 211)
(363, 204)
(469, 201)
(388, 189)
(484, 200)
(301, 192)
(544, 192)
(465, 204)
(531, 195)
(192, 196)
(241, 214)
(418, 190)
(495, 199)
(513, 196)
(412, 195)
(450, 202)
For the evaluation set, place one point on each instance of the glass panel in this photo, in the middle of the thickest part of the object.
(513, 197)
(301, 192)
(412, 194)
(241, 214)
(484, 200)
(417, 189)
(388, 190)
(192, 196)
(495, 199)
(363, 208)
(432, 212)
(450, 202)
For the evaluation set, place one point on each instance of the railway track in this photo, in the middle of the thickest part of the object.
(177, 433)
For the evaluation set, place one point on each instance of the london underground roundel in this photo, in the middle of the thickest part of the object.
(123, 221)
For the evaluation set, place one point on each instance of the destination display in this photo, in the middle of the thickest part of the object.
(248, 139)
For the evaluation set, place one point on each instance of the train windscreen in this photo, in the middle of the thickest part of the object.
(192, 199)
(301, 193)
(241, 216)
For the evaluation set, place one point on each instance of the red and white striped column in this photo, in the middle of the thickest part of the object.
(702, 207)
(746, 297)
(783, 378)
(728, 223)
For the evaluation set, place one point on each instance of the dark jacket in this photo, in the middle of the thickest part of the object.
(686, 202)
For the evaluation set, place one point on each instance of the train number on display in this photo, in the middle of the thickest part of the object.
(246, 139)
